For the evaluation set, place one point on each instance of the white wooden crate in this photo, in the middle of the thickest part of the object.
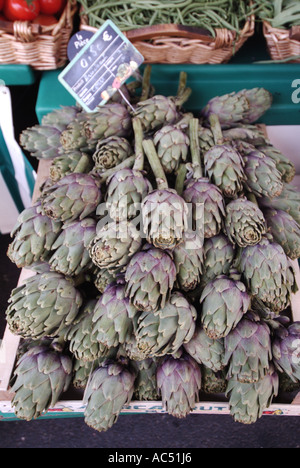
(73, 406)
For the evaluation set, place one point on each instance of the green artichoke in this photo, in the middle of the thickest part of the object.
(249, 133)
(114, 245)
(70, 254)
(145, 387)
(206, 351)
(179, 383)
(41, 141)
(73, 137)
(224, 302)
(285, 231)
(60, 118)
(166, 330)
(172, 146)
(111, 388)
(219, 254)
(43, 305)
(248, 350)
(67, 163)
(41, 376)
(189, 258)
(248, 401)
(283, 164)
(156, 112)
(264, 269)
(150, 277)
(33, 237)
(245, 223)
(110, 120)
(113, 318)
(110, 152)
(75, 196)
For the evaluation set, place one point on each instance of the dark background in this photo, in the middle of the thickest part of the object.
(131, 431)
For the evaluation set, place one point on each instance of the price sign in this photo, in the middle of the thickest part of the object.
(101, 67)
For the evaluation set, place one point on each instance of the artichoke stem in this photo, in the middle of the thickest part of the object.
(139, 150)
(155, 164)
(216, 129)
(180, 179)
(182, 83)
(184, 97)
(195, 148)
(146, 85)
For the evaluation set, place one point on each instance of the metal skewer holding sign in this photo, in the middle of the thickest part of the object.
(101, 67)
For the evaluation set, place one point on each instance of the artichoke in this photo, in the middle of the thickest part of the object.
(113, 318)
(264, 269)
(189, 258)
(41, 141)
(81, 342)
(70, 254)
(111, 388)
(67, 163)
(164, 212)
(172, 146)
(245, 223)
(60, 118)
(41, 376)
(150, 277)
(43, 306)
(179, 383)
(249, 133)
(248, 350)
(248, 401)
(213, 382)
(110, 152)
(224, 303)
(114, 245)
(286, 351)
(110, 120)
(102, 279)
(33, 237)
(288, 200)
(219, 254)
(166, 330)
(145, 387)
(283, 164)
(260, 101)
(206, 351)
(73, 137)
(75, 196)
(285, 231)
(263, 177)
(156, 112)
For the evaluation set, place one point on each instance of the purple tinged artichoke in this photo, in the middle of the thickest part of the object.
(248, 350)
(260, 101)
(75, 196)
(245, 223)
(205, 350)
(150, 277)
(224, 303)
(219, 254)
(110, 388)
(288, 200)
(179, 383)
(41, 376)
(286, 351)
(189, 258)
(284, 165)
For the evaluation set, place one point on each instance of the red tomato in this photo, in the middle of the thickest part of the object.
(20, 10)
(51, 7)
(1, 5)
(45, 20)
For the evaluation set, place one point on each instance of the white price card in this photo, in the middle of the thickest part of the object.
(100, 69)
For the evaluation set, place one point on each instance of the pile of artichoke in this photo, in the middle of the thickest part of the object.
(162, 245)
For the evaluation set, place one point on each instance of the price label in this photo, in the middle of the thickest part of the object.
(100, 69)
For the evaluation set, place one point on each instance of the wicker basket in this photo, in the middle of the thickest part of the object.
(46, 50)
(179, 50)
(280, 44)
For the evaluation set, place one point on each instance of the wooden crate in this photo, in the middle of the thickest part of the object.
(72, 405)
